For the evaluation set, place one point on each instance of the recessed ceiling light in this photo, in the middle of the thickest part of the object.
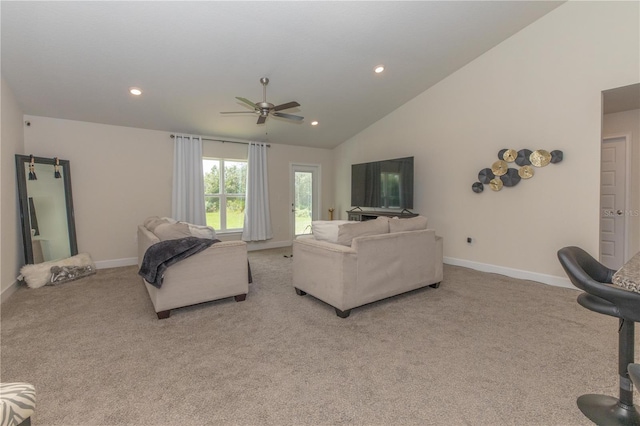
(378, 69)
(135, 91)
(314, 123)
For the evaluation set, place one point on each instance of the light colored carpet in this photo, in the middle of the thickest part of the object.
(482, 349)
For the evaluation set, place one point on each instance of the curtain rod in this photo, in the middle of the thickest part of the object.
(221, 140)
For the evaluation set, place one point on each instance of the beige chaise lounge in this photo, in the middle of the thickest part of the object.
(217, 272)
(364, 262)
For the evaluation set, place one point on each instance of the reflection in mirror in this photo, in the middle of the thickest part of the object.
(46, 209)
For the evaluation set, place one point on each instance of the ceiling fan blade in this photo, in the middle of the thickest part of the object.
(262, 119)
(247, 101)
(286, 106)
(238, 112)
(289, 116)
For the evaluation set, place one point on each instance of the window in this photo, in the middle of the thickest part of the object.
(224, 193)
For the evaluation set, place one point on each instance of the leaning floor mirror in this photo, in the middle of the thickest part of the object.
(46, 208)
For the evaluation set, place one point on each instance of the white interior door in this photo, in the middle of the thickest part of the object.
(305, 190)
(613, 202)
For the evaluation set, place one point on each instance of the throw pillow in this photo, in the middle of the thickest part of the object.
(148, 220)
(411, 224)
(172, 231)
(153, 222)
(201, 231)
(326, 230)
(349, 231)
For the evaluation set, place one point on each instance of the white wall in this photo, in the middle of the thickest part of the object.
(540, 89)
(10, 234)
(121, 175)
(628, 123)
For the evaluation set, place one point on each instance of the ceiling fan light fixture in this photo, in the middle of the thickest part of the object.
(135, 91)
(378, 69)
(264, 109)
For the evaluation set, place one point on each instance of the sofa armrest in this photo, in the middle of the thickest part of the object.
(389, 264)
(146, 239)
(226, 260)
(321, 268)
(217, 272)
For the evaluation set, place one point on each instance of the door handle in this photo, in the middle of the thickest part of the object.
(619, 212)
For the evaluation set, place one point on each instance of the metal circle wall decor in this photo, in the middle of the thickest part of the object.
(499, 175)
(511, 178)
(526, 172)
(509, 155)
(556, 156)
(485, 175)
(540, 158)
(523, 157)
(499, 168)
(496, 184)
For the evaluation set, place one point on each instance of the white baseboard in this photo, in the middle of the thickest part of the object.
(511, 272)
(116, 263)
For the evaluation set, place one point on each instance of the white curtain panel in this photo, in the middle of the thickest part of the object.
(257, 219)
(188, 182)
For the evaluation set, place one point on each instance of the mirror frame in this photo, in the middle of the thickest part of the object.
(21, 161)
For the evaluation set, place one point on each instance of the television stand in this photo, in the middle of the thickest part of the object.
(369, 215)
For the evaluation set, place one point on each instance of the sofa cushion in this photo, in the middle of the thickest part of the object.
(201, 231)
(148, 220)
(348, 231)
(172, 231)
(411, 224)
(326, 230)
(153, 222)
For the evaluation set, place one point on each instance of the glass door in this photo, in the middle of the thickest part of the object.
(304, 197)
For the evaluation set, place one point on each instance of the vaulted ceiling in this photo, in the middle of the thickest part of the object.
(77, 60)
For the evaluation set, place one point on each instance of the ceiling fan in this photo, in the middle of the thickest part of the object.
(265, 108)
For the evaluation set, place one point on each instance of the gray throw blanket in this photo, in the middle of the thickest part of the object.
(161, 255)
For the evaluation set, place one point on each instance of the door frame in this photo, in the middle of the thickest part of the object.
(316, 191)
(627, 188)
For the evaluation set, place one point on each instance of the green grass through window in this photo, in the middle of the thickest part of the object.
(235, 220)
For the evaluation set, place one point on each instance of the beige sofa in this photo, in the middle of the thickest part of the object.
(217, 272)
(363, 262)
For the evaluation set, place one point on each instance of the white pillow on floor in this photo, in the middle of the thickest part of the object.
(39, 274)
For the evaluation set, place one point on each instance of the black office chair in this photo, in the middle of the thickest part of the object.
(592, 277)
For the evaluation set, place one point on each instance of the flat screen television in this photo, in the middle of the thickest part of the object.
(384, 184)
